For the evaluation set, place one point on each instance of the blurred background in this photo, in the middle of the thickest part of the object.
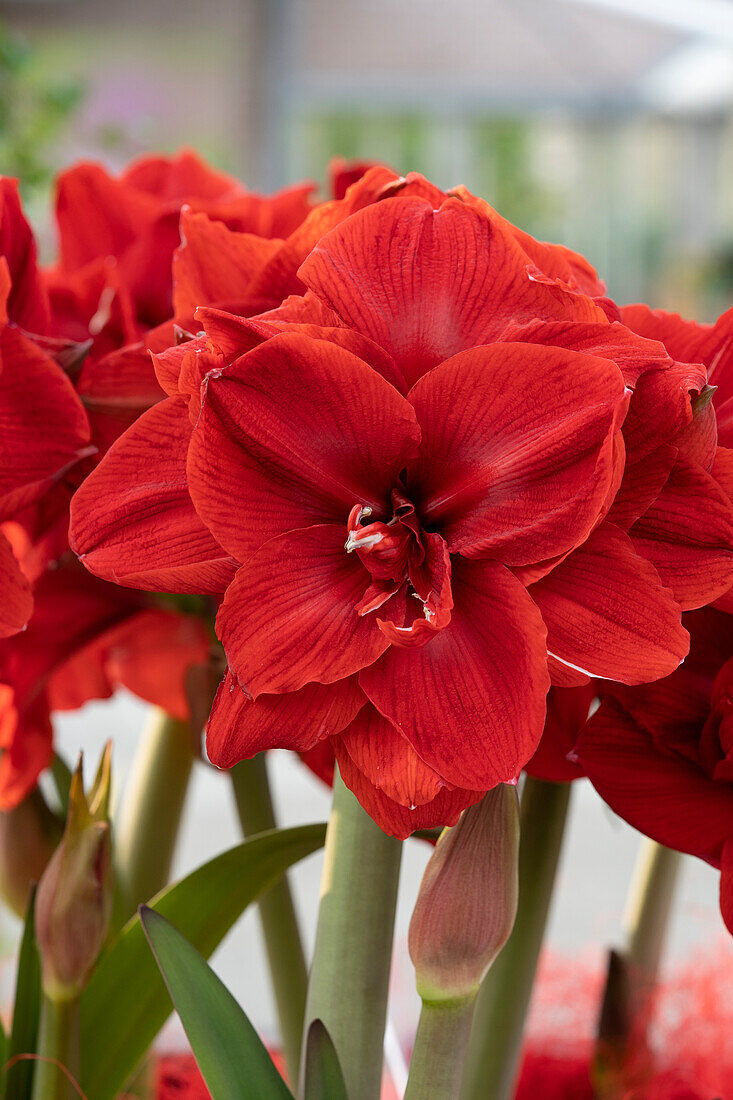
(605, 124)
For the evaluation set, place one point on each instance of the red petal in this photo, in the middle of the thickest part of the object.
(687, 534)
(27, 744)
(632, 354)
(43, 427)
(424, 283)
(295, 434)
(661, 794)
(17, 603)
(607, 613)
(392, 817)
(151, 655)
(517, 449)
(641, 485)
(214, 264)
(98, 215)
(473, 709)
(132, 520)
(661, 406)
(289, 616)
(239, 727)
(27, 301)
(388, 761)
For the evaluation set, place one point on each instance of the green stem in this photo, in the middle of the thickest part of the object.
(436, 1066)
(633, 973)
(649, 907)
(349, 978)
(283, 944)
(58, 1043)
(503, 1000)
(146, 829)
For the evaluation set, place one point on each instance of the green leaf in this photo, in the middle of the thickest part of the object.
(17, 1083)
(126, 1002)
(323, 1077)
(233, 1061)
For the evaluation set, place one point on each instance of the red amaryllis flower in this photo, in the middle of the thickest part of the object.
(661, 755)
(469, 283)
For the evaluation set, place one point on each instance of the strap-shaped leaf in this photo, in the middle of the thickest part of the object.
(126, 1002)
(233, 1061)
(323, 1077)
(17, 1082)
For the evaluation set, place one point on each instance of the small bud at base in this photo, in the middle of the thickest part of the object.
(467, 901)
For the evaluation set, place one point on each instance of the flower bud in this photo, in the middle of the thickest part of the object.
(74, 899)
(29, 834)
(467, 901)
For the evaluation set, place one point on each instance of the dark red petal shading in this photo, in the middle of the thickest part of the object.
(294, 434)
(567, 713)
(662, 795)
(392, 817)
(517, 449)
(726, 884)
(132, 520)
(607, 613)
(289, 616)
(641, 484)
(687, 533)
(472, 701)
(240, 727)
(426, 284)
(17, 601)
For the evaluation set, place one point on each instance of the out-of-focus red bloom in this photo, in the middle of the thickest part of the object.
(129, 225)
(43, 427)
(86, 638)
(661, 754)
(468, 385)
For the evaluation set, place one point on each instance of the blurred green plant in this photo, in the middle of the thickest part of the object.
(35, 107)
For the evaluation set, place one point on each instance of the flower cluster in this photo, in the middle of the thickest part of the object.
(422, 465)
(427, 469)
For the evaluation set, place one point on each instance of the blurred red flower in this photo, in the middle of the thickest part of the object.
(661, 754)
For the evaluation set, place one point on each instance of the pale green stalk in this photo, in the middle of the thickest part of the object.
(349, 977)
(58, 1045)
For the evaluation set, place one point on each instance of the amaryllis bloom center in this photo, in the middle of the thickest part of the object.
(399, 555)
